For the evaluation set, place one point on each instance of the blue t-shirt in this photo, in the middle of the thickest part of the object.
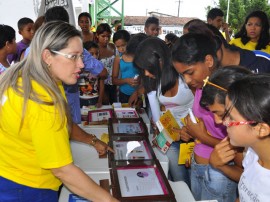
(128, 70)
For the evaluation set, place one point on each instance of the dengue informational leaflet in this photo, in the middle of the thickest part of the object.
(126, 113)
(129, 128)
(131, 150)
(140, 181)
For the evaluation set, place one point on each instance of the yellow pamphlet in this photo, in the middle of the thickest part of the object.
(168, 122)
(185, 152)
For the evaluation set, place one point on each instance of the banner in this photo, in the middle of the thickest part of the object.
(67, 4)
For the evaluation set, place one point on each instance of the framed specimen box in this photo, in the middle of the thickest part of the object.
(101, 116)
(130, 148)
(131, 126)
(126, 113)
(138, 181)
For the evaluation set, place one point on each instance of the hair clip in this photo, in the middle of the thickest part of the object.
(212, 84)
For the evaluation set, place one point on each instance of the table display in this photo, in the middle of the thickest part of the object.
(140, 181)
(125, 126)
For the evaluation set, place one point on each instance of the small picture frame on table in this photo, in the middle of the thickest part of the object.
(100, 116)
(139, 181)
(127, 127)
(136, 148)
(126, 113)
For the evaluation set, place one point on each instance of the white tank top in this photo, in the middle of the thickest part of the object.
(179, 103)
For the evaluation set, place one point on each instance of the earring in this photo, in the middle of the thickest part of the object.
(48, 66)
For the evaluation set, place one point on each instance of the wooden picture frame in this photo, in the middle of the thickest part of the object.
(126, 113)
(139, 181)
(136, 148)
(127, 127)
(99, 116)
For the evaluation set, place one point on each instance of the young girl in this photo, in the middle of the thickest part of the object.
(106, 56)
(124, 72)
(194, 57)
(7, 45)
(254, 34)
(85, 21)
(91, 87)
(224, 157)
(153, 58)
(248, 125)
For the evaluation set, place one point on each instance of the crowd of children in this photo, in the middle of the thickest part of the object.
(224, 81)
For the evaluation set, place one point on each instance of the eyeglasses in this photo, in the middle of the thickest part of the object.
(236, 123)
(71, 57)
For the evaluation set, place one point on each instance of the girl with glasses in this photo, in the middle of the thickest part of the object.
(248, 125)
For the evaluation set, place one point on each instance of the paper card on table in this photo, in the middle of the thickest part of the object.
(126, 113)
(185, 152)
(163, 141)
(142, 181)
(131, 150)
(168, 122)
(129, 128)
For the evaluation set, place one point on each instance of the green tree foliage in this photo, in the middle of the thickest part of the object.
(239, 9)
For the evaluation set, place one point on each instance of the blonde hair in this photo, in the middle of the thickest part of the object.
(53, 35)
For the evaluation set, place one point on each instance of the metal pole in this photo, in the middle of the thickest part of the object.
(228, 9)
(178, 8)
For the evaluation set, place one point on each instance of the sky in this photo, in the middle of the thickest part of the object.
(188, 8)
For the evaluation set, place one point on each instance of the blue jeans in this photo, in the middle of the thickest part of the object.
(13, 192)
(208, 183)
(177, 172)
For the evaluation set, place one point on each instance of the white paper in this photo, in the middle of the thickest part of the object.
(126, 150)
(154, 104)
(139, 182)
(129, 128)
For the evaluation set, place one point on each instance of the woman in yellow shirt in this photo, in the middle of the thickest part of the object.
(254, 34)
(35, 156)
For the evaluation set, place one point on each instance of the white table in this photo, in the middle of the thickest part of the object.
(181, 191)
(64, 196)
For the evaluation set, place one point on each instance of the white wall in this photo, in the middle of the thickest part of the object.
(13, 10)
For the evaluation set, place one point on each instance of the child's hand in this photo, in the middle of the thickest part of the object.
(183, 135)
(196, 130)
(133, 82)
(98, 105)
(222, 153)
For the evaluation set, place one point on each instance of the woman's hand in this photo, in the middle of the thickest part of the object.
(102, 147)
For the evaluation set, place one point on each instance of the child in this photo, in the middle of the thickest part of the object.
(106, 56)
(195, 64)
(248, 125)
(224, 157)
(25, 29)
(151, 26)
(85, 21)
(7, 45)
(124, 71)
(91, 88)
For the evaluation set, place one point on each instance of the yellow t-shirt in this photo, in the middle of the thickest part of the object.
(249, 45)
(27, 155)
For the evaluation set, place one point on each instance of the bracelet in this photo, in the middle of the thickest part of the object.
(93, 141)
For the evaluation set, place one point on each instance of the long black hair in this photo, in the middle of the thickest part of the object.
(264, 36)
(154, 56)
(251, 97)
